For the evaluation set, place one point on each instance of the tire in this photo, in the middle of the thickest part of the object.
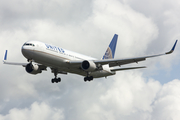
(85, 79)
(52, 80)
(59, 79)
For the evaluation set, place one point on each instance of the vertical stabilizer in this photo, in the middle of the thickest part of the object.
(110, 52)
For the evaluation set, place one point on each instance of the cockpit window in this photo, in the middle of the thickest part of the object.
(28, 44)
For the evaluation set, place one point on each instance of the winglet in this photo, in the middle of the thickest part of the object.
(5, 56)
(12, 63)
(171, 51)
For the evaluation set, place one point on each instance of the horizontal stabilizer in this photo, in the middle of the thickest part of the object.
(119, 69)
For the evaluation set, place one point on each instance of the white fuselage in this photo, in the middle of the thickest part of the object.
(58, 58)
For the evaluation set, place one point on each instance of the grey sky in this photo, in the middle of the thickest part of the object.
(87, 27)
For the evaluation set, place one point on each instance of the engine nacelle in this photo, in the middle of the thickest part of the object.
(88, 66)
(33, 68)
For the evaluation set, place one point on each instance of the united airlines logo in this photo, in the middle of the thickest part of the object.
(108, 54)
(54, 48)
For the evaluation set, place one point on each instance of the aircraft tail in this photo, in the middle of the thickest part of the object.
(110, 52)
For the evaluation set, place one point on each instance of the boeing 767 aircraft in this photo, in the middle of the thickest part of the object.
(61, 61)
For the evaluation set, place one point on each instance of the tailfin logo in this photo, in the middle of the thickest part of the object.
(108, 54)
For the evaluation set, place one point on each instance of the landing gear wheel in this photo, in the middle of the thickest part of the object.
(88, 78)
(56, 80)
(52, 80)
(59, 79)
(85, 79)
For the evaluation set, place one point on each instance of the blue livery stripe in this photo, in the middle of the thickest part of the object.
(5, 56)
(172, 48)
(174, 45)
(112, 45)
(110, 52)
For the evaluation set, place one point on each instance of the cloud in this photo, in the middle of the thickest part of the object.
(126, 96)
(106, 18)
(166, 104)
(36, 111)
(83, 26)
(18, 13)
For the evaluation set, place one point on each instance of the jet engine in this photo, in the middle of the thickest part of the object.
(33, 68)
(88, 66)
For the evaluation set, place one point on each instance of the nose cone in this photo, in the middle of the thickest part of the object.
(27, 52)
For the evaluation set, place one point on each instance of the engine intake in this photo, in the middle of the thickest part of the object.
(88, 65)
(33, 68)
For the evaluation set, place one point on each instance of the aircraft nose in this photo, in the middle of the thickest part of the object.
(27, 52)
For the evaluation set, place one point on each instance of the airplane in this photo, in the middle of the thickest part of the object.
(61, 61)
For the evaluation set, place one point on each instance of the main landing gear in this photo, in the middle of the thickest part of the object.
(88, 78)
(56, 79)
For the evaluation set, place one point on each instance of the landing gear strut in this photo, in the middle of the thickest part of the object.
(88, 77)
(56, 79)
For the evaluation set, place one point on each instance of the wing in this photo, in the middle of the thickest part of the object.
(12, 63)
(42, 67)
(119, 62)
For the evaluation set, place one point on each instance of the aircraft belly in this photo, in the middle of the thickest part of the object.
(95, 74)
(101, 73)
(49, 59)
(57, 60)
